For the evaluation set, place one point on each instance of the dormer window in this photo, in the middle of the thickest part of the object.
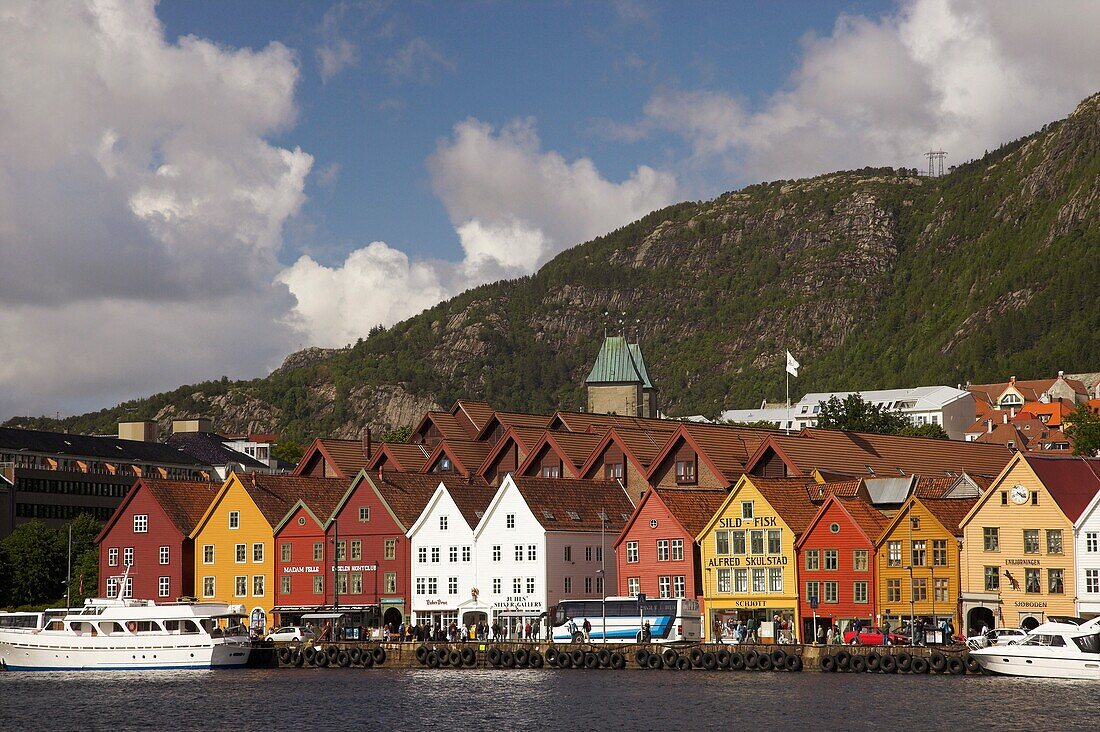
(444, 465)
(1011, 400)
(685, 471)
(574, 515)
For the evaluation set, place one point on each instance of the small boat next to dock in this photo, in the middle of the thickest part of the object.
(1061, 648)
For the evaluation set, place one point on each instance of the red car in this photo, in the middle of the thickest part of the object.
(873, 637)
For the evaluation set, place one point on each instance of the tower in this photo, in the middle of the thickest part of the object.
(619, 382)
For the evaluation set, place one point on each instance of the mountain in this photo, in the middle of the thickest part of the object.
(873, 278)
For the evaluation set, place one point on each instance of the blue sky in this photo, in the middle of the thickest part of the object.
(190, 190)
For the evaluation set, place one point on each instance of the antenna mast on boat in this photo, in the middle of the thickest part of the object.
(69, 570)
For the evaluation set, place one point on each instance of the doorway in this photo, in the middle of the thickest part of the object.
(979, 617)
(392, 617)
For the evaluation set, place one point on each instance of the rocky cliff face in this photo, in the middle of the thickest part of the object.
(873, 278)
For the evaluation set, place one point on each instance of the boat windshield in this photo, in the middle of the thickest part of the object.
(1042, 639)
(1088, 643)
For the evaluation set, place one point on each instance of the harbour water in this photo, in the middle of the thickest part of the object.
(301, 699)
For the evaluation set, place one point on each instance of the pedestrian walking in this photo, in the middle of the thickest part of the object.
(829, 636)
(886, 631)
(587, 630)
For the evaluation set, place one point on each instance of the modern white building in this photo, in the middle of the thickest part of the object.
(951, 408)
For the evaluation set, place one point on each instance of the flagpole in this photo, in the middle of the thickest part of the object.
(788, 375)
(69, 569)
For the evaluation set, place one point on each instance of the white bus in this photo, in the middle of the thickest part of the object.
(671, 620)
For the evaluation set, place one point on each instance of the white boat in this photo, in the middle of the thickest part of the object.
(1058, 649)
(125, 634)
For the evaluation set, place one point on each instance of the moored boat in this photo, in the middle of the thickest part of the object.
(1058, 649)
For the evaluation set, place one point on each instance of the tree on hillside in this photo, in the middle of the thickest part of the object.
(856, 415)
(288, 451)
(934, 431)
(397, 434)
(34, 555)
(1084, 430)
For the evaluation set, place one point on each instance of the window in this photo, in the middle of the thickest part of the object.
(939, 590)
(452, 585)
(632, 552)
(991, 539)
(551, 471)
(496, 586)
(861, 560)
(442, 523)
(914, 522)
(128, 557)
(741, 580)
(421, 586)
(831, 593)
(775, 541)
(677, 550)
(813, 559)
(893, 553)
(992, 579)
(939, 552)
(832, 560)
(519, 553)
(756, 542)
(587, 585)
(234, 519)
(141, 523)
(510, 521)
(685, 471)
(679, 586)
(1054, 541)
(599, 554)
(318, 584)
(356, 548)
(775, 579)
(722, 542)
(920, 589)
(164, 586)
(319, 552)
(1091, 541)
(664, 586)
(391, 550)
(1055, 581)
(1031, 581)
(422, 555)
(341, 550)
(207, 586)
(284, 584)
(893, 590)
(568, 585)
(112, 557)
(164, 554)
(433, 586)
(919, 553)
(588, 554)
(633, 585)
(284, 552)
(530, 585)
(364, 513)
(240, 553)
(1092, 580)
(240, 586)
(1031, 541)
(496, 552)
(1034, 497)
(567, 553)
(1004, 498)
(389, 583)
(435, 555)
(813, 591)
(452, 554)
(759, 581)
(258, 553)
(737, 542)
(662, 550)
(746, 509)
(859, 593)
(207, 553)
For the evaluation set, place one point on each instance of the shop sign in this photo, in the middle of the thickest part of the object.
(1023, 562)
(518, 602)
(756, 522)
(1029, 603)
(300, 569)
(355, 568)
(749, 603)
(775, 560)
(436, 603)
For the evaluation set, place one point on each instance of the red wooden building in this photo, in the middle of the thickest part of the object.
(509, 453)
(150, 530)
(626, 455)
(836, 564)
(559, 455)
(656, 552)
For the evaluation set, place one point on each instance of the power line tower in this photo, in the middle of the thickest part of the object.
(935, 162)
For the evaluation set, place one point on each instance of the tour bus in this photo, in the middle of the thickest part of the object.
(623, 619)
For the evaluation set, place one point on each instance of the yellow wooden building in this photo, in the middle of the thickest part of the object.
(748, 556)
(1018, 544)
(918, 557)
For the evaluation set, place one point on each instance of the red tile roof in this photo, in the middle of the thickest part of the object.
(472, 500)
(408, 493)
(1071, 481)
(950, 512)
(933, 486)
(573, 448)
(788, 497)
(466, 455)
(449, 426)
(551, 500)
(872, 521)
(346, 456)
(274, 495)
(513, 419)
(589, 421)
(402, 455)
(849, 488)
(184, 502)
(479, 413)
(692, 507)
(524, 437)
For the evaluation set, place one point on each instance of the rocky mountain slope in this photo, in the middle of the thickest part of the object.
(873, 278)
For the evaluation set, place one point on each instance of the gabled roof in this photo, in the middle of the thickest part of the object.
(640, 447)
(619, 362)
(274, 495)
(449, 426)
(933, 486)
(724, 448)
(692, 507)
(184, 502)
(597, 422)
(1056, 411)
(210, 448)
(1072, 481)
(407, 456)
(788, 497)
(573, 448)
(848, 488)
(512, 419)
(406, 494)
(477, 412)
(564, 504)
(466, 455)
(107, 449)
(950, 512)
(346, 456)
(524, 437)
(866, 518)
(1029, 389)
(887, 491)
(860, 453)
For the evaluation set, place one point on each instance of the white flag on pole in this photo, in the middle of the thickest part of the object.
(792, 365)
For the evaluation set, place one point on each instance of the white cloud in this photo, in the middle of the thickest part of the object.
(418, 60)
(141, 207)
(336, 55)
(953, 73)
(513, 205)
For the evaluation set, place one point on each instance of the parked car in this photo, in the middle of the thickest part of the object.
(873, 637)
(289, 633)
(997, 637)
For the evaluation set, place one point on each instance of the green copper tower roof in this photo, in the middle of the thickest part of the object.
(619, 362)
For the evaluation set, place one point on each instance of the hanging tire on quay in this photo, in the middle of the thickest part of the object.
(843, 660)
(507, 659)
(794, 663)
(432, 659)
(344, 659)
(955, 666)
(723, 658)
(889, 664)
(779, 658)
(591, 660)
(455, 658)
(356, 655)
(905, 662)
(751, 658)
(696, 656)
(874, 662)
(669, 656)
(828, 664)
(565, 660)
(919, 665)
(764, 662)
(284, 656)
(655, 662)
(494, 657)
(297, 658)
(737, 661)
(320, 660)
(641, 657)
(858, 664)
(972, 665)
(422, 654)
(552, 655)
(521, 655)
(366, 660)
(469, 657)
(534, 660)
(604, 657)
(379, 655)
(618, 661)
(710, 661)
(577, 657)
(938, 662)
(308, 655)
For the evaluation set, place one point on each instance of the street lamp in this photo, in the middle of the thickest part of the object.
(602, 573)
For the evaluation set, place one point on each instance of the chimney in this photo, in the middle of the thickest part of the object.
(1061, 374)
(1012, 379)
(1012, 412)
(989, 425)
(366, 443)
(1006, 419)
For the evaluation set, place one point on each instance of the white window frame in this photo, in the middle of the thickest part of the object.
(209, 586)
(206, 553)
(112, 557)
(164, 587)
(258, 582)
(141, 523)
(165, 555)
(633, 586)
(234, 520)
(631, 552)
(240, 585)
